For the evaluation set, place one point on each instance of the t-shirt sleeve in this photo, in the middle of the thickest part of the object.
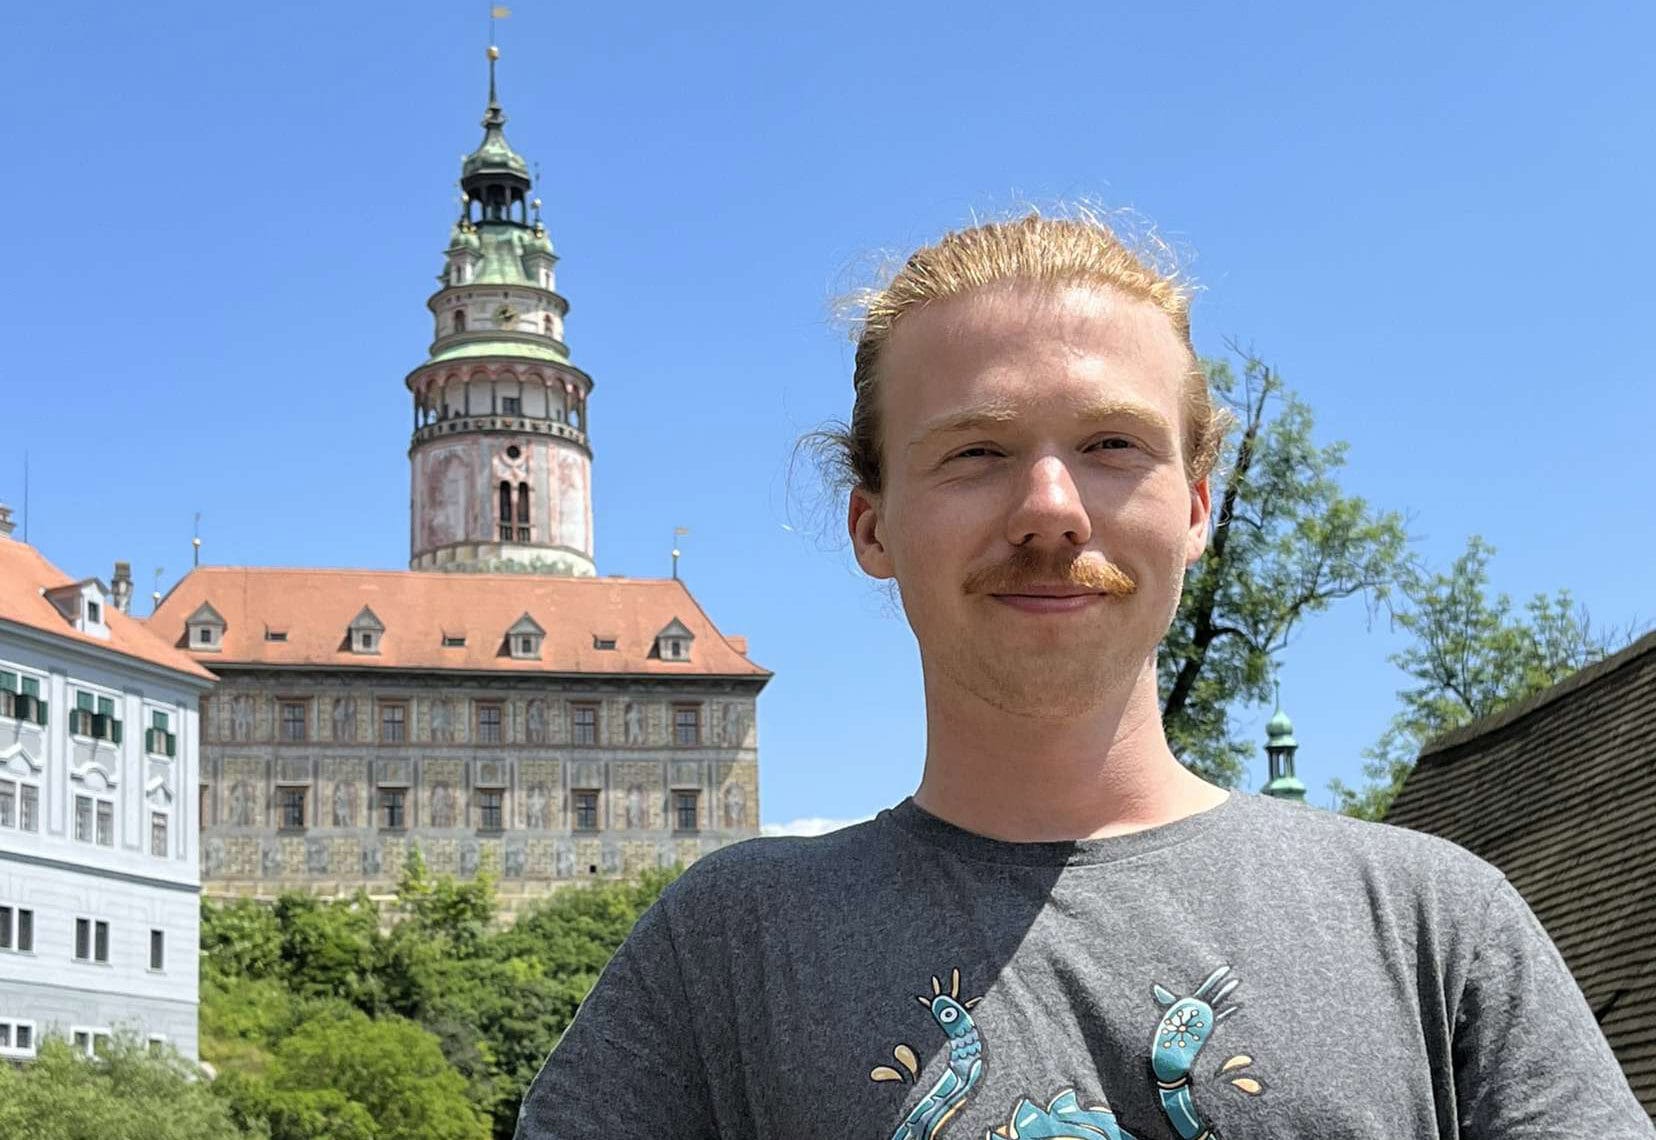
(1530, 1060)
(628, 1065)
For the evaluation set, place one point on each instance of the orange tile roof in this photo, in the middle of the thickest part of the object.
(418, 608)
(24, 573)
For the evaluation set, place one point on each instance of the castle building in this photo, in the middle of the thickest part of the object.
(99, 915)
(498, 704)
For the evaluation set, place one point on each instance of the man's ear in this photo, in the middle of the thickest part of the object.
(863, 522)
(1201, 509)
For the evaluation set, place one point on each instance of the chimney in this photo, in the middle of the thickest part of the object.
(121, 586)
(6, 523)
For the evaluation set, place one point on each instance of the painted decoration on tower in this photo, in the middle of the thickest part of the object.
(443, 495)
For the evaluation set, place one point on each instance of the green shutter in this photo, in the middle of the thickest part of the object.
(40, 712)
(84, 701)
(8, 681)
(31, 686)
(149, 740)
(115, 731)
(158, 720)
(106, 706)
(172, 745)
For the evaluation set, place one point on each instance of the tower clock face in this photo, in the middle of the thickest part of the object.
(505, 315)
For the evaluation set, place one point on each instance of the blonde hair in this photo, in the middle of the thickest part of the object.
(1080, 250)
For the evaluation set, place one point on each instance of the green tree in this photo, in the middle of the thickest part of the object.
(128, 1094)
(240, 939)
(1286, 543)
(390, 1067)
(1470, 655)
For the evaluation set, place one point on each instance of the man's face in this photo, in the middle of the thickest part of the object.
(1036, 514)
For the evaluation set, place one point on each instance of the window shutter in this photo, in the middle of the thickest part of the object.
(84, 701)
(100, 726)
(149, 740)
(31, 686)
(8, 681)
(115, 730)
(172, 744)
(40, 712)
(106, 706)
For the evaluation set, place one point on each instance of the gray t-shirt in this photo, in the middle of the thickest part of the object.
(1257, 970)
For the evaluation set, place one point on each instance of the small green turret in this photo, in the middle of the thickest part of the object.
(1280, 747)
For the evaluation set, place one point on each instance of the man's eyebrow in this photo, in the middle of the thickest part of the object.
(995, 414)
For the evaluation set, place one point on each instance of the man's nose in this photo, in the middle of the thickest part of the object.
(1049, 507)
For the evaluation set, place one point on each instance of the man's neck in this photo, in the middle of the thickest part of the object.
(1025, 779)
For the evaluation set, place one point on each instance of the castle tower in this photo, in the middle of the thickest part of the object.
(501, 463)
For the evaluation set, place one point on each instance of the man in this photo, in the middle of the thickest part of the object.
(1064, 933)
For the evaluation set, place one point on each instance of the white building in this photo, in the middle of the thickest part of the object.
(99, 771)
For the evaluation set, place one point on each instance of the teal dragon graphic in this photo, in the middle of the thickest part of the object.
(1177, 1041)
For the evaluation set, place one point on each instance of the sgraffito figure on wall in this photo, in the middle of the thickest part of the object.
(735, 806)
(344, 719)
(536, 731)
(636, 816)
(733, 726)
(538, 802)
(241, 717)
(442, 806)
(344, 805)
(241, 804)
(635, 724)
(441, 727)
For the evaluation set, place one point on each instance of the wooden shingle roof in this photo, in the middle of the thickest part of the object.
(1559, 792)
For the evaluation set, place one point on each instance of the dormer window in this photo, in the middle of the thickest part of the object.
(364, 633)
(603, 642)
(523, 640)
(205, 629)
(81, 604)
(275, 635)
(673, 643)
(454, 641)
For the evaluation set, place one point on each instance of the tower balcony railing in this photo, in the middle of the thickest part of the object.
(494, 421)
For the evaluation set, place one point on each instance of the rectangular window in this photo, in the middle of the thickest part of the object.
(94, 613)
(83, 1041)
(488, 810)
(454, 640)
(100, 941)
(293, 721)
(25, 931)
(586, 724)
(586, 811)
(158, 834)
(83, 819)
(106, 824)
(25, 1038)
(292, 808)
(393, 722)
(159, 740)
(686, 726)
(685, 816)
(6, 928)
(8, 703)
(5, 1035)
(391, 807)
(511, 405)
(158, 949)
(28, 816)
(8, 804)
(523, 534)
(83, 939)
(488, 724)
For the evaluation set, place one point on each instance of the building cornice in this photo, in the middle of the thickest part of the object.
(7, 855)
(104, 656)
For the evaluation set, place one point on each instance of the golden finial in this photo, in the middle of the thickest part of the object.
(494, 52)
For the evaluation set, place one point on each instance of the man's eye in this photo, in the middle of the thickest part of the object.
(973, 453)
(1111, 443)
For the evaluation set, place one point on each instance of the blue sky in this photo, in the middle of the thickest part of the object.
(1436, 220)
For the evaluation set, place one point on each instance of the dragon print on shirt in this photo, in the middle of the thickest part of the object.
(1178, 1038)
